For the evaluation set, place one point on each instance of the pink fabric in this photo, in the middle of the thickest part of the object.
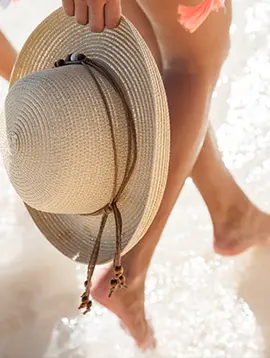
(191, 17)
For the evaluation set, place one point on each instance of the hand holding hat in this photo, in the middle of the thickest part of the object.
(97, 13)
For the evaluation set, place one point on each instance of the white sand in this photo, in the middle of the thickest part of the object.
(202, 306)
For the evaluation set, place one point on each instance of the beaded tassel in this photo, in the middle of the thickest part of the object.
(191, 17)
(118, 280)
(86, 302)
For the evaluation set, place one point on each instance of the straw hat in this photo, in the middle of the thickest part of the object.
(86, 143)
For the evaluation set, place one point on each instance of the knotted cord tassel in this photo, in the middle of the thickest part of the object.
(119, 279)
(85, 297)
(191, 17)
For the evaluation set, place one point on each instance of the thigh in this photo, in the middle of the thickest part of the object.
(203, 48)
(135, 14)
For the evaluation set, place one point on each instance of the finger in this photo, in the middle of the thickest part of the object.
(96, 15)
(68, 6)
(112, 13)
(81, 12)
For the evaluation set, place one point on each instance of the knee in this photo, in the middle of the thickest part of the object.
(203, 63)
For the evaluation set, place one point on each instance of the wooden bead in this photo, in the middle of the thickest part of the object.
(89, 305)
(81, 57)
(85, 299)
(119, 270)
(59, 63)
(113, 283)
(122, 280)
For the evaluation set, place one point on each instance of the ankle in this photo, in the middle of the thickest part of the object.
(233, 205)
(134, 270)
(236, 215)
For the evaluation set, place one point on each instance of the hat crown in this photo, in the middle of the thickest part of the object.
(59, 149)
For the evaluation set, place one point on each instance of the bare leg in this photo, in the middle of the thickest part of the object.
(189, 82)
(7, 57)
(128, 305)
(238, 224)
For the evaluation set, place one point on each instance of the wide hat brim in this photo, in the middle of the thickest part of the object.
(124, 51)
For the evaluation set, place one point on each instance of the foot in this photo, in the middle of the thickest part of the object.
(128, 305)
(240, 229)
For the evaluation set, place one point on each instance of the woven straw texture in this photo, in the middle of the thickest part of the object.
(56, 141)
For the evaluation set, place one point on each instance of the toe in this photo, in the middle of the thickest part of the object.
(149, 342)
